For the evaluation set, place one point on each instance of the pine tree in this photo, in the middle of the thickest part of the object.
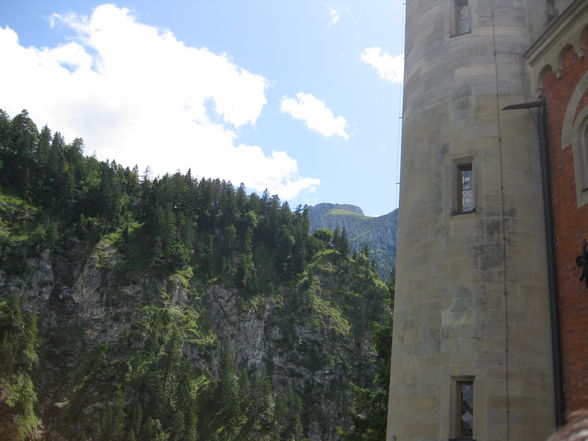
(229, 400)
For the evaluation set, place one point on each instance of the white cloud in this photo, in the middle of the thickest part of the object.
(334, 16)
(138, 95)
(315, 114)
(389, 67)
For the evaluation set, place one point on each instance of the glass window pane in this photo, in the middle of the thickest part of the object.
(466, 416)
(465, 188)
(462, 17)
(468, 200)
(584, 156)
(466, 178)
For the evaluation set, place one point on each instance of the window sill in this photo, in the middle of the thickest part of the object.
(461, 33)
(460, 213)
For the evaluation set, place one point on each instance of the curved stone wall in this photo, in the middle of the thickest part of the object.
(472, 302)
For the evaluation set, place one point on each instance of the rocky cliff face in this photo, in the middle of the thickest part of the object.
(378, 233)
(309, 339)
(175, 308)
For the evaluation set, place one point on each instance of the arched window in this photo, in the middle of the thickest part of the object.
(580, 149)
(583, 144)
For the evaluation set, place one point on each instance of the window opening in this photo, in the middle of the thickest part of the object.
(462, 17)
(465, 188)
(578, 138)
(465, 409)
(584, 153)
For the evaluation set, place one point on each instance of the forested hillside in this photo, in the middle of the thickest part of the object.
(377, 233)
(176, 308)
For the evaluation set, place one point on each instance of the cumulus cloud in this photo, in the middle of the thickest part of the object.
(334, 16)
(389, 67)
(138, 95)
(315, 113)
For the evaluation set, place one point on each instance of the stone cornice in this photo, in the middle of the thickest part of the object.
(562, 25)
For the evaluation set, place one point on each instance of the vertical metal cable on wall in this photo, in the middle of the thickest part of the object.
(504, 266)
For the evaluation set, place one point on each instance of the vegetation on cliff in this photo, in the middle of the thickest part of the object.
(378, 234)
(175, 308)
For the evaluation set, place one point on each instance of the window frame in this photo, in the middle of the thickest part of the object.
(457, 29)
(459, 432)
(455, 410)
(582, 141)
(461, 167)
(580, 155)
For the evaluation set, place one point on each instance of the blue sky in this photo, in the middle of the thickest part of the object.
(302, 97)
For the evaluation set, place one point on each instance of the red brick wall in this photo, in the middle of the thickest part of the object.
(571, 228)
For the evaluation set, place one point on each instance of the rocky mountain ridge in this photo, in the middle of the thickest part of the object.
(378, 233)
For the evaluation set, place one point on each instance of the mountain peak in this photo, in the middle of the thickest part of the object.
(378, 233)
(328, 208)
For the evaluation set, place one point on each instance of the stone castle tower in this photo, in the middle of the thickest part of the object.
(472, 346)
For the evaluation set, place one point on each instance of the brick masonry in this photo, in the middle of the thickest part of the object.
(570, 228)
